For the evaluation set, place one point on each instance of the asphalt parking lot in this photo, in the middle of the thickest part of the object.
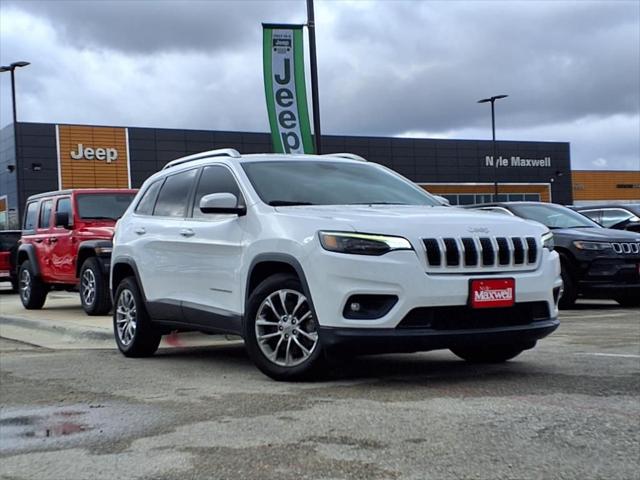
(568, 409)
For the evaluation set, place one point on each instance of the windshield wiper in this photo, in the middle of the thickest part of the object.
(287, 203)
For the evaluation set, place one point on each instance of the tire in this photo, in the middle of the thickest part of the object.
(489, 353)
(94, 288)
(33, 291)
(291, 349)
(15, 286)
(570, 292)
(628, 301)
(134, 334)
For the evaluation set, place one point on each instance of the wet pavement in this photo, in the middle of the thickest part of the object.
(568, 409)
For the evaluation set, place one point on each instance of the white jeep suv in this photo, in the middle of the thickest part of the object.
(310, 256)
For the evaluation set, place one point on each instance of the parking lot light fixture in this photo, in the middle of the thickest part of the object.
(493, 136)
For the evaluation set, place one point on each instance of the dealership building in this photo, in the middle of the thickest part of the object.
(56, 156)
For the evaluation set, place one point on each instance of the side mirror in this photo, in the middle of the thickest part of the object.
(222, 203)
(62, 220)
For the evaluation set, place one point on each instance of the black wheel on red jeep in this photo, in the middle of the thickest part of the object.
(33, 291)
(490, 353)
(94, 288)
(135, 335)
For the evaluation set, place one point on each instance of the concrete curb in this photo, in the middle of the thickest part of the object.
(81, 333)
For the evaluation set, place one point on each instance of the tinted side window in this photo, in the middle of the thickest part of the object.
(45, 214)
(31, 216)
(174, 195)
(595, 215)
(64, 206)
(148, 200)
(614, 216)
(215, 179)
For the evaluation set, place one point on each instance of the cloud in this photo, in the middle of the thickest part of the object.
(571, 69)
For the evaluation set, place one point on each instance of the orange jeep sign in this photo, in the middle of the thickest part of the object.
(93, 157)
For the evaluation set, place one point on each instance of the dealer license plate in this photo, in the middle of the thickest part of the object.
(492, 293)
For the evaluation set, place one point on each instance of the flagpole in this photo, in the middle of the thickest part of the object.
(314, 77)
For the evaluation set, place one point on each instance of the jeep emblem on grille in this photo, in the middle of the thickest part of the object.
(478, 229)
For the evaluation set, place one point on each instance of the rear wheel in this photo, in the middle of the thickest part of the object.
(489, 353)
(33, 291)
(281, 331)
(94, 289)
(135, 336)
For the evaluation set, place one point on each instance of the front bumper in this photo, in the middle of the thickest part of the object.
(607, 277)
(385, 340)
(333, 278)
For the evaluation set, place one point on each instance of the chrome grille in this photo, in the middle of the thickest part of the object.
(451, 254)
(626, 247)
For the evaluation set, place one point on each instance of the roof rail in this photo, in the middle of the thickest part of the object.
(222, 152)
(351, 156)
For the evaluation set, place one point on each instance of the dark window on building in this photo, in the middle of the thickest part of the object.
(215, 179)
(516, 197)
(628, 185)
(64, 206)
(466, 199)
(174, 195)
(31, 216)
(148, 200)
(45, 214)
(532, 197)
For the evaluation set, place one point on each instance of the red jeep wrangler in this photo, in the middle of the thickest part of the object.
(66, 244)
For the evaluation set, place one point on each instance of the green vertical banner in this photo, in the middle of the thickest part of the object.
(285, 89)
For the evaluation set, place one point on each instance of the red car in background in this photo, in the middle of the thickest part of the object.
(8, 248)
(66, 244)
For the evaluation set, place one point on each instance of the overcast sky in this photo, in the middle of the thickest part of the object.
(571, 69)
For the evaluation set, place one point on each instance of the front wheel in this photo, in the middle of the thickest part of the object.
(488, 353)
(281, 331)
(628, 301)
(569, 292)
(33, 291)
(135, 336)
(94, 288)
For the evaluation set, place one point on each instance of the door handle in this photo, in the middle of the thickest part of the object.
(140, 231)
(53, 240)
(38, 240)
(187, 232)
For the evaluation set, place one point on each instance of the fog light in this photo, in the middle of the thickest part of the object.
(368, 307)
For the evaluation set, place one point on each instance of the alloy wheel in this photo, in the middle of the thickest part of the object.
(285, 328)
(25, 285)
(88, 287)
(126, 317)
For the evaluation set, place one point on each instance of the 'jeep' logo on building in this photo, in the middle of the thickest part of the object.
(103, 154)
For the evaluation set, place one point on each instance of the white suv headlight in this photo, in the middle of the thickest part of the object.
(362, 243)
(547, 241)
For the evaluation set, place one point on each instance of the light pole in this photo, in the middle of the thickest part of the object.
(311, 24)
(493, 136)
(12, 68)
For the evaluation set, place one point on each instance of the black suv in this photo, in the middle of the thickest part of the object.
(596, 262)
(619, 216)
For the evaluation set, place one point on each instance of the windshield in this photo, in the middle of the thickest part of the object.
(103, 206)
(309, 182)
(553, 216)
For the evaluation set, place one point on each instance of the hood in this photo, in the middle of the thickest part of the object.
(414, 220)
(597, 234)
